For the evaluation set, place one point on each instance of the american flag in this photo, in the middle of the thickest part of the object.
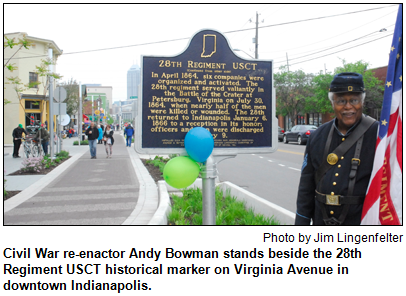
(383, 201)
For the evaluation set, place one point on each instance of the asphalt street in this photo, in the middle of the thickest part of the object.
(274, 176)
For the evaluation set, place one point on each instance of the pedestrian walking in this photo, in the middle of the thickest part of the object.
(129, 131)
(17, 135)
(338, 159)
(99, 139)
(108, 140)
(70, 132)
(92, 134)
(43, 134)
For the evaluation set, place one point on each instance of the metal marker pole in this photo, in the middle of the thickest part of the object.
(51, 102)
(93, 110)
(209, 174)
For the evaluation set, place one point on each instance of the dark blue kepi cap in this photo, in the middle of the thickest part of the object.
(347, 82)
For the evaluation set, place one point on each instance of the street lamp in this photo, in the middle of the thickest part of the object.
(236, 49)
(98, 104)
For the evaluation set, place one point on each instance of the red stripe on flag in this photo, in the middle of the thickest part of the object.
(373, 192)
(392, 122)
(378, 140)
(387, 212)
(399, 144)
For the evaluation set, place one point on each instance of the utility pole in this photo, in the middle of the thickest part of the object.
(59, 123)
(93, 109)
(256, 38)
(287, 61)
(80, 113)
(325, 70)
(51, 103)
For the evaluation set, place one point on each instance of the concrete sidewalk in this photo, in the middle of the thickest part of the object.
(84, 191)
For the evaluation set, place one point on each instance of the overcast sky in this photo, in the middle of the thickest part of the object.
(96, 26)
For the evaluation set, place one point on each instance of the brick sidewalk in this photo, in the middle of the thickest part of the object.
(90, 192)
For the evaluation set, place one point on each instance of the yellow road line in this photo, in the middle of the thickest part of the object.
(286, 151)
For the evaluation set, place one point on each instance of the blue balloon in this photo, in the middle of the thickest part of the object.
(199, 144)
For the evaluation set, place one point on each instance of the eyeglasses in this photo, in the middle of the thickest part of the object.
(343, 102)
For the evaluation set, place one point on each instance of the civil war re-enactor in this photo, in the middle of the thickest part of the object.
(338, 159)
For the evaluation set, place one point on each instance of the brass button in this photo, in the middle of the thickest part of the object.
(334, 183)
(343, 139)
(339, 165)
(331, 212)
(342, 157)
(332, 193)
(336, 174)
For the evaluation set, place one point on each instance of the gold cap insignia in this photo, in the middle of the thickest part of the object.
(332, 158)
(350, 88)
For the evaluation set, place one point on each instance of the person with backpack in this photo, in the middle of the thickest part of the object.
(99, 139)
(108, 140)
(129, 131)
(43, 134)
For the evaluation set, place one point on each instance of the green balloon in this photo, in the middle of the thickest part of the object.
(181, 172)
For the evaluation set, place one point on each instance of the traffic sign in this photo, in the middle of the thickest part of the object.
(60, 94)
(65, 119)
(61, 107)
(97, 112)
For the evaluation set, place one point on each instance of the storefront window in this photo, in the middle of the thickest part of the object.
(301, 119)
(315, 119)
(311, 119)
(32, 119)
(288, 123)
(32, 104)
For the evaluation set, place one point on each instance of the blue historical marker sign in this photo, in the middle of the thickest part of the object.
(207, 85)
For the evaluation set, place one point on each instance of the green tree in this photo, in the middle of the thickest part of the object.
(292, 89)
(72, 96)
(374, 88)
(15, 81)
(320, 102)
(110, 119)
(42, 70)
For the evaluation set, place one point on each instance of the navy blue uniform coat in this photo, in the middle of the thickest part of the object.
(336, 179)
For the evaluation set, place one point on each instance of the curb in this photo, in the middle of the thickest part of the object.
(161, 215)
(32, 190)
(258, 204)
(148, 199)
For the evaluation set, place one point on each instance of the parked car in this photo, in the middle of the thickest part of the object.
(280, 134)
(299, 134)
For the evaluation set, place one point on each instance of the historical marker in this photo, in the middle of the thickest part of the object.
(207, 85)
